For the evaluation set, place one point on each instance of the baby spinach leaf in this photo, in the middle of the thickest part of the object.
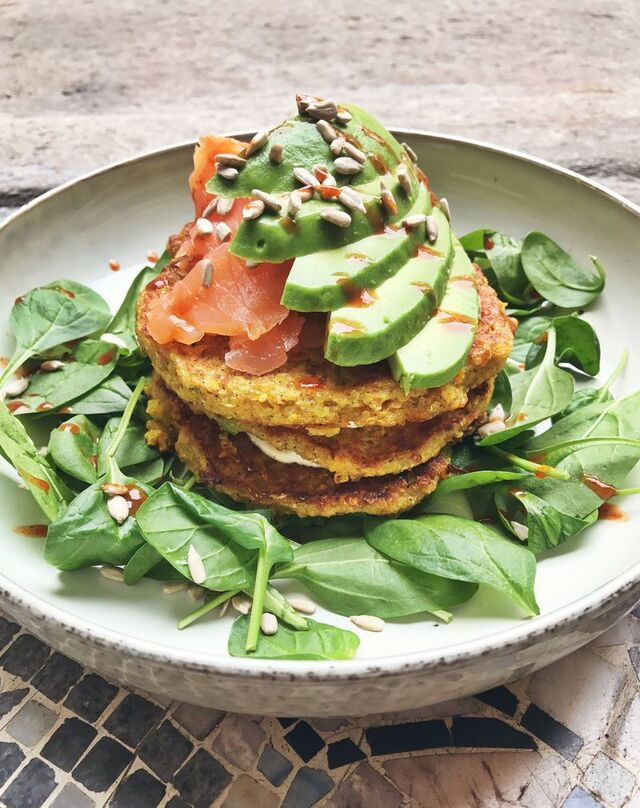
(132, 451)
(320, 641)
(476, 479)
(458, 548)
(502, 392)
(141, 563)
(501, 263)
(529, 332)
(47, 487)
(49, 315)
(556, 276)
(73, 447)
(349, 577)
(577, 344)
(538, 394)
(591, 395)
(109, 397)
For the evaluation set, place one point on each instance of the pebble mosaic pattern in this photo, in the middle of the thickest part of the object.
(565, 737)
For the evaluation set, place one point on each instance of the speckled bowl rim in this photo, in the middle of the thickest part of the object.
(16, 599)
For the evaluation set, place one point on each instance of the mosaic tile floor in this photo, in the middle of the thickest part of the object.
(566, 736)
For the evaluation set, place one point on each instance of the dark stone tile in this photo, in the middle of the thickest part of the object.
(198, 721)
(72, 797)
(500, 698)
(11, 757)
(408, 737)
(11, 699)
(132, 719)
(308, 786)
(578, 798)
(7, 631)
(25, 656)
(57, 676)
(91, 697)
(177, 802)
(552, 732)
(489, 733)
(286, 722)
(636, 612)
(102, 765)
(304, 740)
(634, 656)
(342, 753)
(31, 787)
(139, 790)
(164, 750)
(201, 780)
(68, 743)
(274, 766)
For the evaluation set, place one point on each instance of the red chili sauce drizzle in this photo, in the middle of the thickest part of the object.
(357, 298)
(598, 486)
(356, 258)
(43, 485)
(156, 283)
(455, 320)
(46, 405)
(488, 243)
(542, 471)
(343, 326)
(31, 531)
(13, 406)
(106, 357)
(73, 428)
(311, 382)
(288, 224)
(426, 252)
(611, 512)
(67, 292)
(135, 497)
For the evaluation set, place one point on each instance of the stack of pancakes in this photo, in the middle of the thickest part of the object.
(358, 442)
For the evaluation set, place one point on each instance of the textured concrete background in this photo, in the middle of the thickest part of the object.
(85, 82)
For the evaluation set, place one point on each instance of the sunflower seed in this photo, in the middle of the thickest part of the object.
(347, 165)
(368, 622)
(203, 227)
(276, 153)
(410, 152)
(404, 179)
(326, 109)
(223, 608)
(303, 101)
(226, 172)
(490, 428)
(306, 194)
(16, 387)
(326, 130)
(302, 604)
(443, 204)
(241, 603)
(413, 222)
(294, 204)
(52, 364)
(336, 146)
(388, 200)
(335, 216)
(268, 624)
(112, 573)
(224, 205)
(114, 489)
(330, 181)
(343, 117)
(521, 531)
(257, 142)
(211, 208)
(303, 176)
(350, 199)
(253, 209)
(113, 339)
(172, 587)
(355, 152)
(231, 160)
(196, 566)
(207, 273)
(43, 451)
(497, 413)
(432, 229)
(222, 231)
(196, 592)
(269, 199)
(118, 508)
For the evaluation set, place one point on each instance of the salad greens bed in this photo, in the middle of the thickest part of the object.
(526, 490)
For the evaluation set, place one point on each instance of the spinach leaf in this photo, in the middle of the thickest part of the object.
(49, 315)
(109, 397)
(320, 641)
(529, 332)
(73, 447)
(476, 479)
(349, 577)
(538, 394)
(502, 392)
(458, 548)
(141, 563)
(577, 345)
(48, 489)
(591, 395)
(499, 257)
(132, 450)
(556, 276)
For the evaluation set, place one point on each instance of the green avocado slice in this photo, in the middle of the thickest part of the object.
(382, 320)
(324, 280)
(434, 356)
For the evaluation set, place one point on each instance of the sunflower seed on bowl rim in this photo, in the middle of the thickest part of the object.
(207, 273)
(351, 199)
(231, 160)
(222, 230)
(412, 155)
(276, 153)
(118, 508)
(432, 229)
(327, 109)
(269, 200)
(355, 152)
(211, 208)
(257, 142)
(112, 573)
(203, 227)
(16, 387)
(226, 172)
(241, 603)
(404, 179)
(268, 624)
(368, 622)
(336, 146)
(113, 339)
(294, 204)
(224, 205)
(51, 365)
(334, 216)
(443, 204)
(388, 200)
(414, 221)
(253, 209)
(303, 176)
(302, 604)
(343, 117)
(196, 592)
(172, 587)
(347, 165)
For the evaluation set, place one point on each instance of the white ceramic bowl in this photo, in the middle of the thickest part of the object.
(126, 210)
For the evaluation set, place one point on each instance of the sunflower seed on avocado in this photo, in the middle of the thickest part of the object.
(379, 321)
